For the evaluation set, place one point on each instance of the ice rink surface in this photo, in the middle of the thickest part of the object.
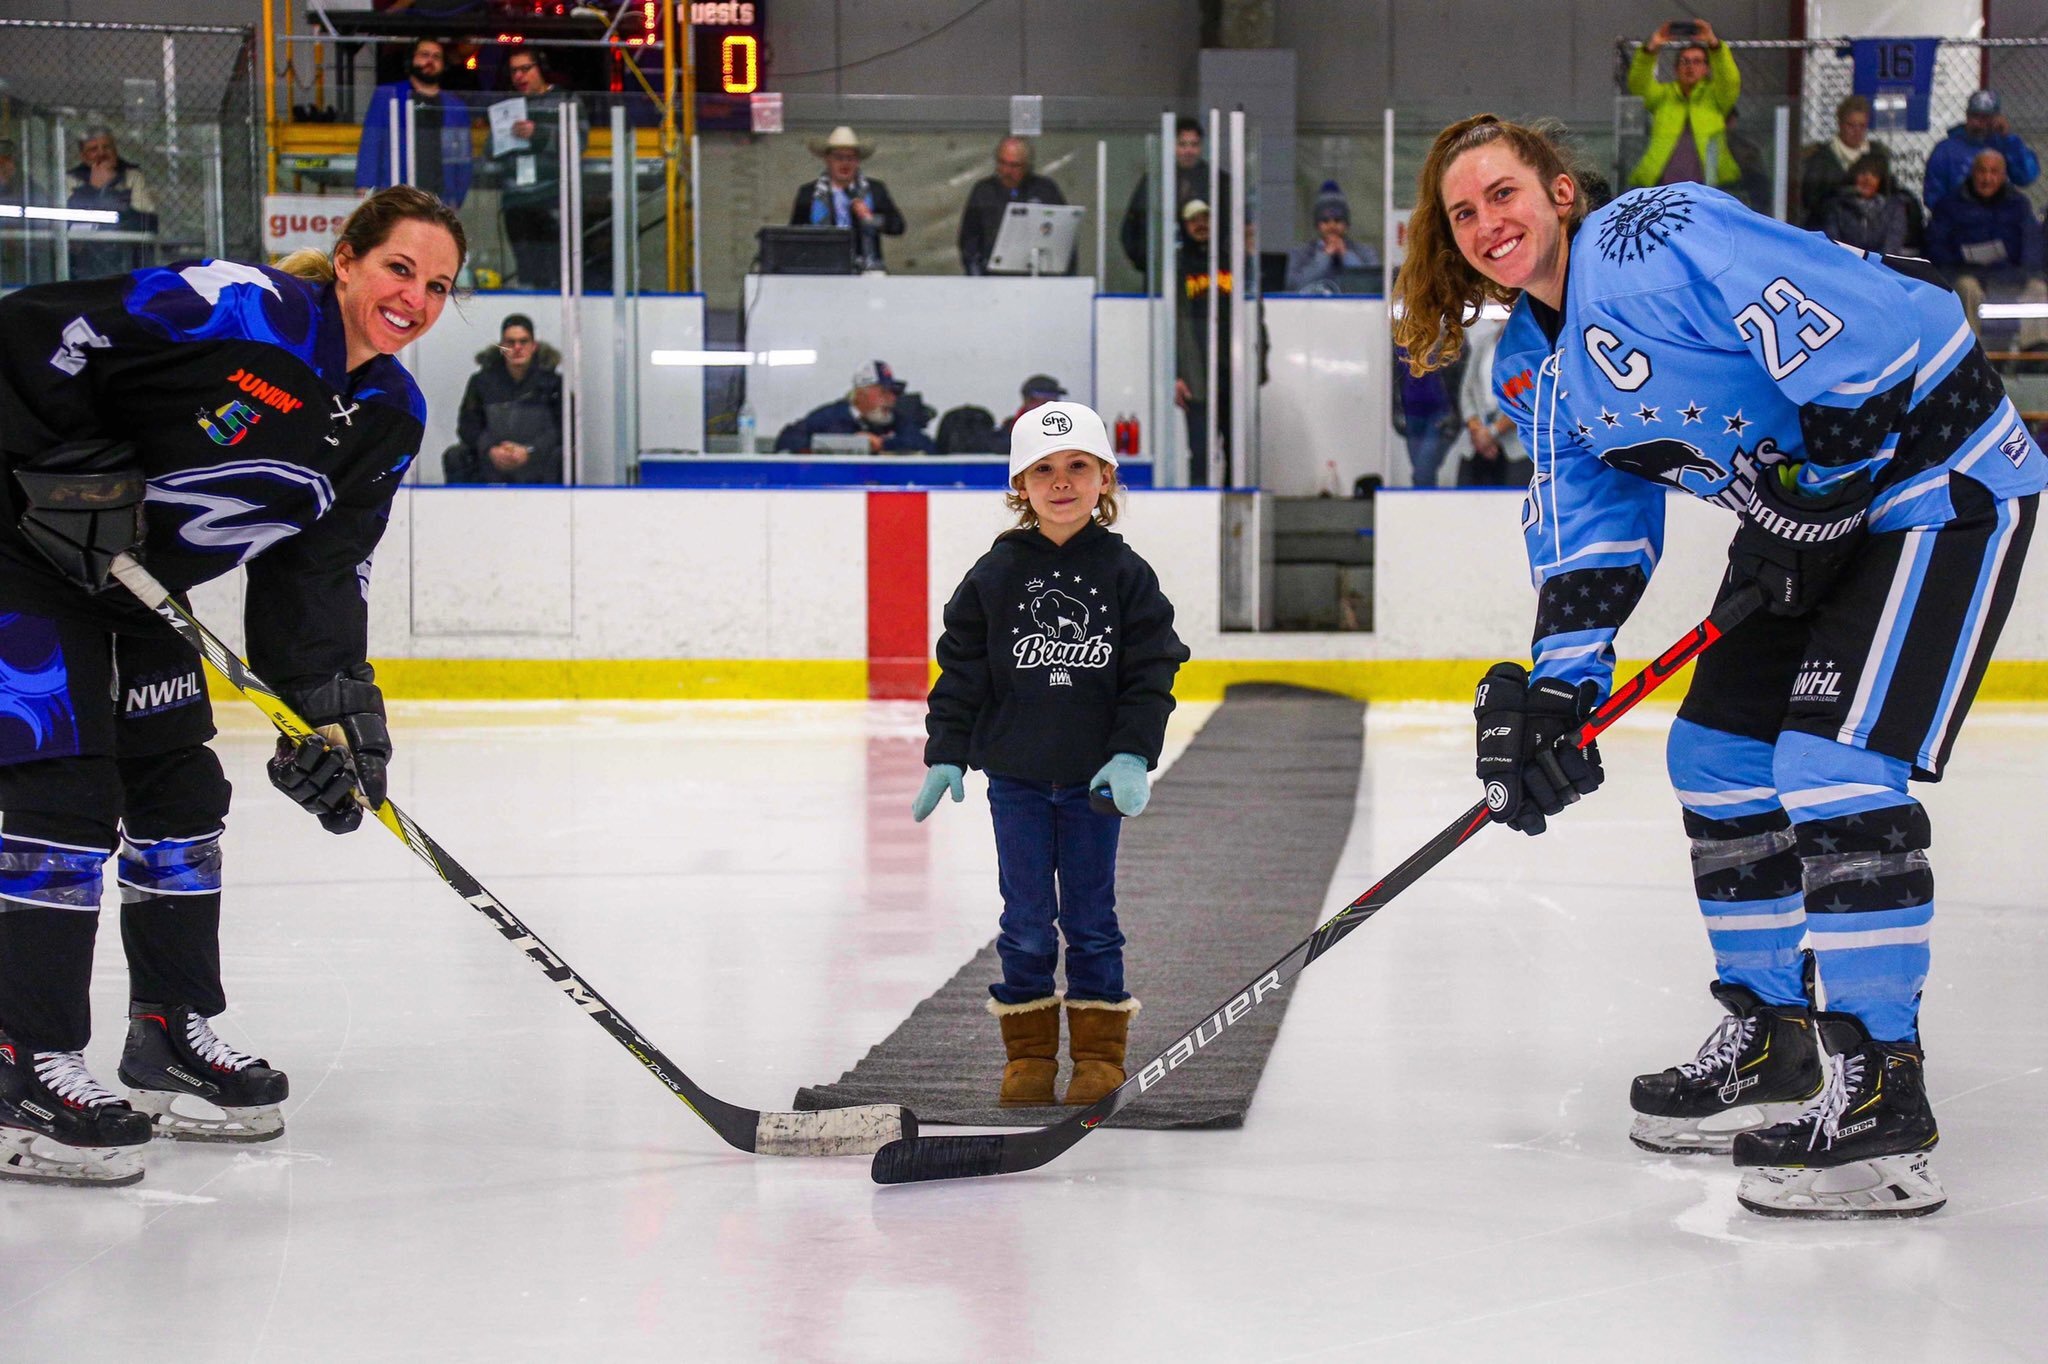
(1436, 1166)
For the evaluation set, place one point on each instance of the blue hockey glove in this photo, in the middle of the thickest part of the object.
(1130, 786)
(939, 778)
(1528, 773)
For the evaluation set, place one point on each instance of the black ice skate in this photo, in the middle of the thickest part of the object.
(58, 1125)
(195, 1086)
(1861, 1149)
(1760, 1066)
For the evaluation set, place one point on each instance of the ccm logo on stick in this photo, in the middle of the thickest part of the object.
(1207, 1031)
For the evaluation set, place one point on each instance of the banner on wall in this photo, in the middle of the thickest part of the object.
(292, 222)
(1896, 75)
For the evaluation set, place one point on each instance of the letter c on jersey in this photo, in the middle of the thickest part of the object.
(1635, 366)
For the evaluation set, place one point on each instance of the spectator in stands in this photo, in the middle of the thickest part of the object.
(1191, 348)
(1190, 181)
(1688, 115)
(1825, 167)
(13, 192)
(873, 407)
(845, 196)
(1330, 262)
(1425, 412)
(1752, 167)
(510, 427)
(531, 175)
(1038, 390)
(1953, 160)
(1495, 458)
(1985, 238)
(106, 181)
(1013, 183)
(1870, 211)
(440, 154)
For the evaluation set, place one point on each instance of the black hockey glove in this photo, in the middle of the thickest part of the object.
(1793, 545)
(350, 752)
(82, 506)
(1528, 773)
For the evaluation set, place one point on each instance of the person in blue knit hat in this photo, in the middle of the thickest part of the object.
(1330, 262)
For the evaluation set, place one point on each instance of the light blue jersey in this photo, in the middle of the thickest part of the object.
(1700, 341)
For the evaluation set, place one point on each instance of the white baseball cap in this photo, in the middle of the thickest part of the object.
(1051, 427)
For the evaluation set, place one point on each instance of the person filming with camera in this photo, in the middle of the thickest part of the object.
(1688, 114)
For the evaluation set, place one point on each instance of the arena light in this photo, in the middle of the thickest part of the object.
(62, 215)
(1994, 311)
(719, 358)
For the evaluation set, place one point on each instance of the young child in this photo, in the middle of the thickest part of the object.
(1056, 677)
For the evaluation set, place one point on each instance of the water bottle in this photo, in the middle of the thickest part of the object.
(745, 426)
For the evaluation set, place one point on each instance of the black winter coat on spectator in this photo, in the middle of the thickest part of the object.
(1054, 659)
(496, 407)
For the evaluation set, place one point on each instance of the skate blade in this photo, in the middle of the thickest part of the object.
(1887, 1186)
(186, 1117)
(1709, 1136)
(31, 1158)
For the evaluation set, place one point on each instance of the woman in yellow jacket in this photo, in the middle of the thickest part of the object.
(1688, 116)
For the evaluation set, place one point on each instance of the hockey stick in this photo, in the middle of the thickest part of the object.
(831, 1132)
(914, 1159)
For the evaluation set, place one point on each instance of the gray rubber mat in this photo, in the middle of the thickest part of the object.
(1226, 870)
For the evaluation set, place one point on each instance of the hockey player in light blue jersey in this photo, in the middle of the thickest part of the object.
(1884, 489)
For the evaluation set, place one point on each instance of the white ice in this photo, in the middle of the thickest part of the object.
(1436, 1166)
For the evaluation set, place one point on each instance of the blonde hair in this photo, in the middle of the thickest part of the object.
(1105, 510)
(1439, 288)
(369, 226)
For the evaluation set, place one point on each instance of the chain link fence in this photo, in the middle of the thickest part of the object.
(180, 106)
(1821, 72)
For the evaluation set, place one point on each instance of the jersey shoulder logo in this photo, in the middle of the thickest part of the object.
(1638, 223)
(209, 279)
(78, 335)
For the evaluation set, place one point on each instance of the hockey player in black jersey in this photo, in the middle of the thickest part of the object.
(201, 417)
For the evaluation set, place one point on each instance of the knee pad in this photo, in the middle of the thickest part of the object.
(57, 822)
(1719, 777)
(1862, 838)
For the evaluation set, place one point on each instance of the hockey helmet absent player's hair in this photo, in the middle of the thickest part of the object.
(372, 222)
(1439, 287)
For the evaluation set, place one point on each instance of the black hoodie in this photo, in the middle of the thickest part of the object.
(1054, 659)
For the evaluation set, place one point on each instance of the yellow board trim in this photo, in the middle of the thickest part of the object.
(775, 679)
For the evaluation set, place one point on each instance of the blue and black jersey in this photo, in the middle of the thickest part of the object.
(1699, 342)
(259, 445)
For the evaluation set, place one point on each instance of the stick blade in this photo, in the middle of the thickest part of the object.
(914, 1160)
(857, 1131)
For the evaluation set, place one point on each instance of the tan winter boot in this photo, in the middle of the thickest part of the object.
(1031, 1036)
(1096, 1033)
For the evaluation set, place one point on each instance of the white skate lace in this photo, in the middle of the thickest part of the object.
(211, 1049)
(1720, 1050)
(64, 1074)
(1844, 1074)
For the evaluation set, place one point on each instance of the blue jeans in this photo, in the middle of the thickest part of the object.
(1047, 834)
(1426, 449)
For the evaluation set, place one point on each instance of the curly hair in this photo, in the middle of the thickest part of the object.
(1439, 287)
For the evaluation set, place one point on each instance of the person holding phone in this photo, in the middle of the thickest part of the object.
(1688, 114)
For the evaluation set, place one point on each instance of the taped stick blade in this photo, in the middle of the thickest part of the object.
(917, 1159)
(857, 1131)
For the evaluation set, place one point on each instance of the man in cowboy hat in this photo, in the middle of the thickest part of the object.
(842, 196)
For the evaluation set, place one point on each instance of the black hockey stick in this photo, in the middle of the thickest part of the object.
(830, 1132)
(914, 1159)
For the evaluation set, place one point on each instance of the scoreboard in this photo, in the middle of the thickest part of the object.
(726, 37)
